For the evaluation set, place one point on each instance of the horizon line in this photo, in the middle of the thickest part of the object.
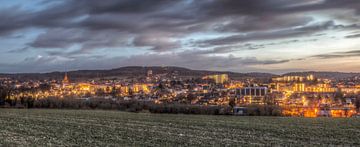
(108, 69)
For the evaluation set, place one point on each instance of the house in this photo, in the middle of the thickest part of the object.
(240, 111)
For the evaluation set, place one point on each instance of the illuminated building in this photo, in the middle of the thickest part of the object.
(320, 88)
(149, 75)
(254, 91)
(288, 79)
(136, 88)
(66, 79)
(353, 90)
(310, 78)
(234, 85)
(219, 79)
(299, 87)
(301, 84)
(106, 88)
(84, 87)
(313, 112)
(252, 94)
(293, 78)
(124, 90)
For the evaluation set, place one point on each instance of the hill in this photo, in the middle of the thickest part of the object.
(140, 71)
(326, 75)
(134, 71)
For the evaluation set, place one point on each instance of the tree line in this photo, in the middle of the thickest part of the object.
(134, 105)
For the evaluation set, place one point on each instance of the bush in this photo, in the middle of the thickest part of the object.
(190, 109)
(96, 103)
(263, 110)
(137, 106)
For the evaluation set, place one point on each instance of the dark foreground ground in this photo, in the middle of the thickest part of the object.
(112, 128)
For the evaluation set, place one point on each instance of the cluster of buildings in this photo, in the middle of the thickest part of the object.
(311, 97)
(297, 95)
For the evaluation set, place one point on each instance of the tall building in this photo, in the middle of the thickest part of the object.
(298, 87)
(149, 75)
(252, 95)
(66, 79)
(219, 79)
(253, 91)
(310, 77)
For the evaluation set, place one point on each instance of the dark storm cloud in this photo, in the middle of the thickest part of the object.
(217, 50)
(353, 53)
(329, 4)
(58, 38)
(88, 40)
(271, 8)
(247, 7)
(64, 13)
(270, 35)
(249, 46)
(251, 23)
(353, 36)
(228, 49)
(134, 17)
(120, 6)
(12, 19)
(157, 41)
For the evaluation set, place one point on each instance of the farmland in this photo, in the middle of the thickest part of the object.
(43, 127)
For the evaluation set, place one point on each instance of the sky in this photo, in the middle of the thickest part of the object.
(274, 36)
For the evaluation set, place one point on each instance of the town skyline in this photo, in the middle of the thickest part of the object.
(150, 67)
(238, 36)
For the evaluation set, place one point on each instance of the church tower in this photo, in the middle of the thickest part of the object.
(66, 79)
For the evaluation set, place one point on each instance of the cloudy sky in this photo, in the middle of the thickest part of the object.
(235, 35)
